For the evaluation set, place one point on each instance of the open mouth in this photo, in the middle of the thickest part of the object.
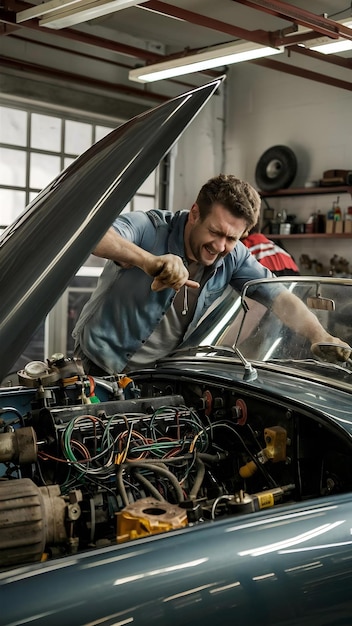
(210, 251)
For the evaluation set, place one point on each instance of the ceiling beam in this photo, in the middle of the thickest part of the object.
(286, 11)
(9, 20)
(257, 36)
(328, 58)
(42, 70)
(9, 17)
(93, 57)
(283, 37)
(303, 73)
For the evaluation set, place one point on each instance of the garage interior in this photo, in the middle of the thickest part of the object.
(65, 84)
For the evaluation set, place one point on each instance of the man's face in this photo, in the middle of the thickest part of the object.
(214, 237)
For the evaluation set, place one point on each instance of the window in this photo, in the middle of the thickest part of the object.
(35, 146)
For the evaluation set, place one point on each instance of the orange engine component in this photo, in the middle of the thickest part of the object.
(148, 516)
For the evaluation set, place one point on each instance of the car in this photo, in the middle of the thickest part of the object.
(213, 487)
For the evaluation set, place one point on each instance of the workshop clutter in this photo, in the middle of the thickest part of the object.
(336, 177)
(338, 222)
(275, 171)
(338, 267)
(334, 221)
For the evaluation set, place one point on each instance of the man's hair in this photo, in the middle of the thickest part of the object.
(236, 195)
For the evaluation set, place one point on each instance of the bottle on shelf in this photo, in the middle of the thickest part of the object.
(337, 210)
(333, 218)
(348, 220)
(320, 223)
(310, 224)
(338, 217)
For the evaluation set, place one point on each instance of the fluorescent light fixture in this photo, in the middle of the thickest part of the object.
(217, 56)
(333, 48)
(326, 46)
(62, 13)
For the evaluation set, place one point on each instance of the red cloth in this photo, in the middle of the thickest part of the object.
(269, 254)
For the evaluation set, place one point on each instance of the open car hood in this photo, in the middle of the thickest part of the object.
(45, 246)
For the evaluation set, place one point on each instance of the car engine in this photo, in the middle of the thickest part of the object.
(88, 462)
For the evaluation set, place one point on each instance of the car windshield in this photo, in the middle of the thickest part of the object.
(248, 325)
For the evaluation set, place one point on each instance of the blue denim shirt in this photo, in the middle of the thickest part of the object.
(123, 311)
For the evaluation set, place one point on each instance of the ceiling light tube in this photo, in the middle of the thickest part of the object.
(62, 13)
(216, 56)
(333, 48)
(326, 46)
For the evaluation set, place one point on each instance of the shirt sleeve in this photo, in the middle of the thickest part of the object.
(246, 269)
(133, 226)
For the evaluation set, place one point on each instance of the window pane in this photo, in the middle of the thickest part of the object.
(140, 203)
(76, 301)
(13, 126)
(68, 161)
(46, 132)
(101, 131)
(12, 167)
(43, 169)
(78, 137)
(12, 204)
(148, 186)
(32, 195)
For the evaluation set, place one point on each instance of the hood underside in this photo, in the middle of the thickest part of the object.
(49, 241)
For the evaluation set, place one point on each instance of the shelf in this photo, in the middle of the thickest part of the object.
(311, 236)
(306, 191)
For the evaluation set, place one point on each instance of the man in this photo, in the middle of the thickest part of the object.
(163, 273)
(269, 254)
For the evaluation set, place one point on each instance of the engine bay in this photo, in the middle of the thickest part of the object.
(88, 462)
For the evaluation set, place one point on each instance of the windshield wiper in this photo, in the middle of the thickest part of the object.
(224, 349)
(250, 373)
(219, 349)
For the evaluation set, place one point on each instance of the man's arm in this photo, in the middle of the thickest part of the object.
(168, 269)
(293, 312)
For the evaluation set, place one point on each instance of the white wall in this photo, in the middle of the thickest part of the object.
(199, 152)
(267, 108)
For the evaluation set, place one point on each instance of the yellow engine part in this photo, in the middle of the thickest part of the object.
(247, 470)
(148, 516)
(275, 438)
(276, 441)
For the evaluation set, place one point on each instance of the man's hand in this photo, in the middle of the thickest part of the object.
(332, 349)
(292, 312)
(169, 271)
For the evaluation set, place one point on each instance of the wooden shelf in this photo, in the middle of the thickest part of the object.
(311, 236)
(306, 191)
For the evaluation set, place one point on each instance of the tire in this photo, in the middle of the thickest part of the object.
(276, 168)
